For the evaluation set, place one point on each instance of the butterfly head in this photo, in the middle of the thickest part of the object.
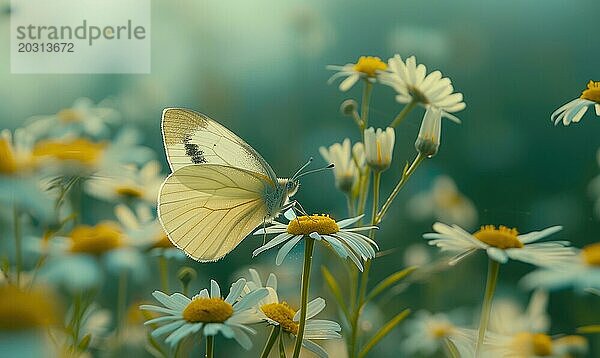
(291, 187)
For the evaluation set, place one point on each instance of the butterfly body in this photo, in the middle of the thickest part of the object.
(220, 188)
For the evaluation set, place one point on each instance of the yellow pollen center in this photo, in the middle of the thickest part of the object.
(163, 242)
(440, 330)
(304, 225)
(207, 310)
(282, 314)
(69, 115)
(80, 150)
(129, 191)
(591, 254)
(592, 92)
(8, 164)
(25, 310)
(537, 344)
(96, 240)
(502, 237)
(369, 65)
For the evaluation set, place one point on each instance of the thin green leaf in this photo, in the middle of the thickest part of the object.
(85, 342)
(389, 281)
(335, 290)
(281, 347)
(383, 331)
(594, 328)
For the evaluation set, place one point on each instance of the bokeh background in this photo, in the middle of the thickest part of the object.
(258, 67)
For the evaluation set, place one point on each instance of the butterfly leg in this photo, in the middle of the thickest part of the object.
(264, 230)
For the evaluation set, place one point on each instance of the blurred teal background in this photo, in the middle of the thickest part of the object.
(258, 67)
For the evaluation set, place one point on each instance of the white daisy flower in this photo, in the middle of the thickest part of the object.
(359, 156)
(83, 118)
(501, 244)
(129, 183)
(379, 148)
(345, 171)
(414, 86)
(346, 242)
(444, 202)
(367, 67)
(575, 109)
(582, 272)
(532, 345)
(509, 317)
(209, 314)
(427, 332)
(278, 313)
(143, 228)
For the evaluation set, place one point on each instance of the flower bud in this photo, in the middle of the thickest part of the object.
(379, 147)
(428, 140)
(348, 107)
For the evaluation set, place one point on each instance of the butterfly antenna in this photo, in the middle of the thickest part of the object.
(330, 166)
(302, 168)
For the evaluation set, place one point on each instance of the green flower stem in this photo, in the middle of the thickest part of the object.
(365, 274)
(121, 302)
(364, 192)
(163, 268)
(210, 346)
(486, 308)
(275, 331)
(309, 245)
(405, 176)
(403, 113)
(18, 248)
(364, 107)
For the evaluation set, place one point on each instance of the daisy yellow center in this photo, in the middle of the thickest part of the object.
(96, 240)
(207, 310)
(80, 150)
(501, 237)
(537, 344)
(129, 191)
(25, 310)
(440, 330)
(304, 225)
(8, 163)
(591, 254)
(282, 314)
(369, 65)
(592, 92)
(69, 115)
(163, 242)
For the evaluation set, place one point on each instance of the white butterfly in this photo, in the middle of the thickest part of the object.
(220, 188)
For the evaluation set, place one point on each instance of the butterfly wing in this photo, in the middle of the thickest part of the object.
(207, 210)
(193, 138)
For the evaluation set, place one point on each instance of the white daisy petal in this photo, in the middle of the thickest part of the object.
(286, 248)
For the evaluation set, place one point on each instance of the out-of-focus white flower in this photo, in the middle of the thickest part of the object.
(359, 156)
(502, 243)
(509, 317)
(83, 118)
(130, 183)
(416, 255)
(345, 171)
(582, 272)
(414, 85)
(367, 67)
(445, 203)
(531, 345)
(379, 148)
(426, 333)
(575, 109)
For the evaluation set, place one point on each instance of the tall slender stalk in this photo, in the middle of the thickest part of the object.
(403, 113)
(163, 268)
(275, 331)
(486, 307)
(405, 176)
(309, 244)
(18, 248)
(365, 274)
(121, 302)
(364, 106)
(210, 346)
